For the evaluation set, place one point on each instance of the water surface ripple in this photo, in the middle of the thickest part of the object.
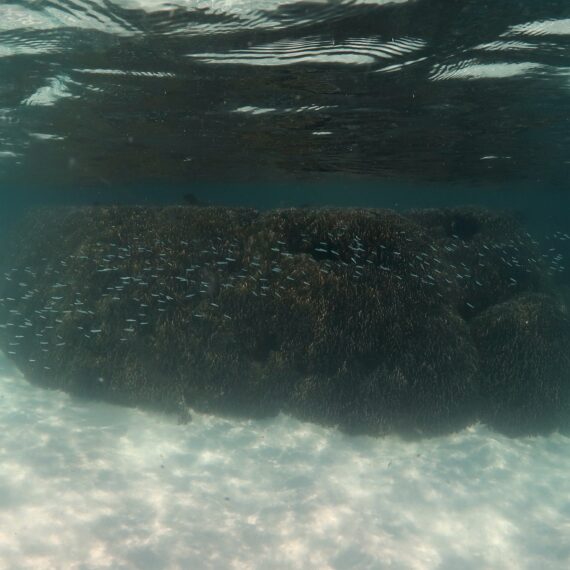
(105, 92)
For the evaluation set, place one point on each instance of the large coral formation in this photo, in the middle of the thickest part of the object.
(524, 346)
(367, 319)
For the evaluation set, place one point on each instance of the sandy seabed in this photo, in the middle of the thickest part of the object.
(87, 485)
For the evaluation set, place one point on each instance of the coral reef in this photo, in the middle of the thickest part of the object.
(371, 320)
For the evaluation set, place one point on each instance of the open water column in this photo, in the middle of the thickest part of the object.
(284, 285)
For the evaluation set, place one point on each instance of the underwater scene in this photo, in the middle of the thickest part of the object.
(284, 284)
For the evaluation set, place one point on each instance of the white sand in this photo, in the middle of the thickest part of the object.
(86, 485)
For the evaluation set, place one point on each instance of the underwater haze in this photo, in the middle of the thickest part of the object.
(284, 284)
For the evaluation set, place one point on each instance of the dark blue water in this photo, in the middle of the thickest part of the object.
(122, 99)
